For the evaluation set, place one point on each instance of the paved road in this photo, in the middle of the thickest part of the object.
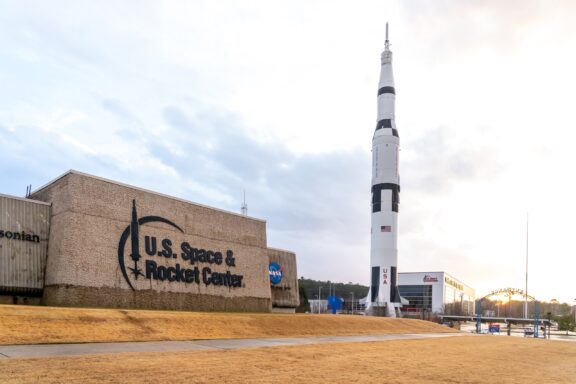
(46, 350)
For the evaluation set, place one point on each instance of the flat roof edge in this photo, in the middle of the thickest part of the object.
(52, 181)
(25, 199)
(281, 250)
(72, 171)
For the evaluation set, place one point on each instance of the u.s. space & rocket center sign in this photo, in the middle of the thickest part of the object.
(194, 265)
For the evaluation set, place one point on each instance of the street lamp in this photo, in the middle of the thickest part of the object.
(319, 297)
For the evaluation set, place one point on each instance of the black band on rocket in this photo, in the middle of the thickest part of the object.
(377, 196)
(374, 287)
(384, 123)
(387, 123)
(386, 90)
(394, 294)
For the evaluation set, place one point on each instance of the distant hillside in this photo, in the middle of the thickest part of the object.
(339, 289)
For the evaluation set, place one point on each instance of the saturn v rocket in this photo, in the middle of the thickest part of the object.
(383, 298)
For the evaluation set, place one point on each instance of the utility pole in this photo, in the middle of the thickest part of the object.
(352, 303)
(549, 318)
(526, 291)
(319, 298)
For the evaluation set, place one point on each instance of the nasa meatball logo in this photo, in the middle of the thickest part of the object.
(188, 266)
(276, 273)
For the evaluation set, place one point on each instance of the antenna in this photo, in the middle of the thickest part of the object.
(28, 190)
(526, 292)
(244, 207)
(387, 43)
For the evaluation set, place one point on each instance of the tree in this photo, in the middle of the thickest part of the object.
(339, 289)
(566, 323)
(304, 304)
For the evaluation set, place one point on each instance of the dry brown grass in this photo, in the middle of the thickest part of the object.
(35, 325)
(465, 359)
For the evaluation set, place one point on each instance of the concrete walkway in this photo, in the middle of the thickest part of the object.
(47, 350)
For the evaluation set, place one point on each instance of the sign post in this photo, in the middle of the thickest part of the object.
(478, 316)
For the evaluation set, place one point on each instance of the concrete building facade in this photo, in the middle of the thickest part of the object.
(283, 280)
(118, 246)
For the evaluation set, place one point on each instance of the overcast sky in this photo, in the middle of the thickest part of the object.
(203, 99)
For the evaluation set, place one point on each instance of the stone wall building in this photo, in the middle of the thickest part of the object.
(118, 246)
(285, 297)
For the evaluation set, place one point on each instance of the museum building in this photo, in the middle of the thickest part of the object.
(85, 241)
(435, 292)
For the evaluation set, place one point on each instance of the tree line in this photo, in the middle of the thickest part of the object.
(310, 288)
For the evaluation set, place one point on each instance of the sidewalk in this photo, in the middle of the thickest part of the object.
(47, 350)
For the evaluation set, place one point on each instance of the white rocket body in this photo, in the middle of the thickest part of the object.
(384, 297)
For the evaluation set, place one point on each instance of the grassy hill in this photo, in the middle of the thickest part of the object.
(31, 325)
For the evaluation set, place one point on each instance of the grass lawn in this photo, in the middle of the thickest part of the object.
(484, 359)
(40, 325)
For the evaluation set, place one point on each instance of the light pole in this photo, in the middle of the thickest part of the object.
(549, 324)
(526, 291)
(352, 304)
(319, 297)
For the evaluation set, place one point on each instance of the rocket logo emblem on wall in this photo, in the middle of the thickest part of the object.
(132, 231)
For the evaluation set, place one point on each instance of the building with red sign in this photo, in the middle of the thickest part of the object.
(435, 292)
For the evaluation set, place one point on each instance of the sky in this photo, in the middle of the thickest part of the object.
(203, 100)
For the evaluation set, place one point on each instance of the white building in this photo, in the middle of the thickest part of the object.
(318, 306)
(435, 292)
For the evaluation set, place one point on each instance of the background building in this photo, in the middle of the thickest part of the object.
(435, 292)
(24, 231)
(86, 241)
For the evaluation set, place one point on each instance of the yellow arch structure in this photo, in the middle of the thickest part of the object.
(509, 292)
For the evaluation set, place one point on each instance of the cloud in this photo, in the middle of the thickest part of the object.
(311, 190)
(459, 28)
(118, 109)
(315, 204)
(435, 162)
